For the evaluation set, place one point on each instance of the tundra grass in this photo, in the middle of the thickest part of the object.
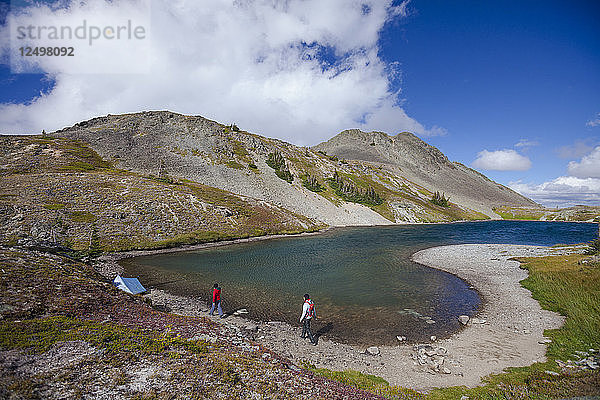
(370, 383)
(38, 335)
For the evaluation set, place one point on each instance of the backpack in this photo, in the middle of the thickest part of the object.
(311, 309)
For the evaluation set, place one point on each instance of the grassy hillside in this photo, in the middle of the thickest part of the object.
(575, 214)
(60, 191)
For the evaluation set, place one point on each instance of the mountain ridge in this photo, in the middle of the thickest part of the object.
(403, 168)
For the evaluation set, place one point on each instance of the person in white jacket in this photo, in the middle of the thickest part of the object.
(308, 313)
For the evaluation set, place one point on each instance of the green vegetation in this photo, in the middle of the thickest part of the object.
(234, 164)
(38, 335)
(349, 192)
(82, 216)
(240, 152)
(439, 199)
(277, 162)
(330, 158)
(519, 213)
(54, 206)
(312, 183)
(370, 383)
(164, 178)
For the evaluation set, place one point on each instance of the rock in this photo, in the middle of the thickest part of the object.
(478, 321)
(544, 341)
(552, 373)
(433, 338)
(441, 351)
(204, 337)
(430, 321)
(446, 370)
(590, 363)
(252, 327)
(430, 353)
(526, 332)
(240, 311)
(401, 338)
(373, 350)
(463, 319)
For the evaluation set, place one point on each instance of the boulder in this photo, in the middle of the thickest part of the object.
(463, 319)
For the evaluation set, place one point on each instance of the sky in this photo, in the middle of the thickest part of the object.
(509, 88)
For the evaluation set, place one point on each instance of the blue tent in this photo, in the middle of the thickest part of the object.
(129, 285)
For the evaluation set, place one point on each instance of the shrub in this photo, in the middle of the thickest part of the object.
(440, 199)
(277, 162)
(312, 183)
(347, 191)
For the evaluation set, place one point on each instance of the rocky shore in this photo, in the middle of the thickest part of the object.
(508, 331)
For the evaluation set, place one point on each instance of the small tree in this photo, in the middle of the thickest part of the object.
(276, 161)
(94, 247)
(312, 183)
(440, 199)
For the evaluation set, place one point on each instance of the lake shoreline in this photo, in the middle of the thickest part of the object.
(508, 330)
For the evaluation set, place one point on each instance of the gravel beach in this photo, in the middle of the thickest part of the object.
(507, 332)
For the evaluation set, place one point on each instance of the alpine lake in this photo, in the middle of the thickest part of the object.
(364, 284)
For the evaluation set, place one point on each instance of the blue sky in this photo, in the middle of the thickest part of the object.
(510, 88)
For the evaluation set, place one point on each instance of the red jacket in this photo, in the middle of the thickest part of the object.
(216, 295)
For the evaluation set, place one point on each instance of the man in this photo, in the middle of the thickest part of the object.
(308, 313)
(216, 301)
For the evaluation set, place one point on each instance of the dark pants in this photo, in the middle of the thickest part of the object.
(306, 330)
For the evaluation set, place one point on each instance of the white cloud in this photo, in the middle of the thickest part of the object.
(501, 160)
(594, 122)
(588, 167)
(297, 70)
(525, 144)
(580, 148)
(564, 191)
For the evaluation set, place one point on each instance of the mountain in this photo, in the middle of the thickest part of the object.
(403, 170)
(160, 179)
(408, 156)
